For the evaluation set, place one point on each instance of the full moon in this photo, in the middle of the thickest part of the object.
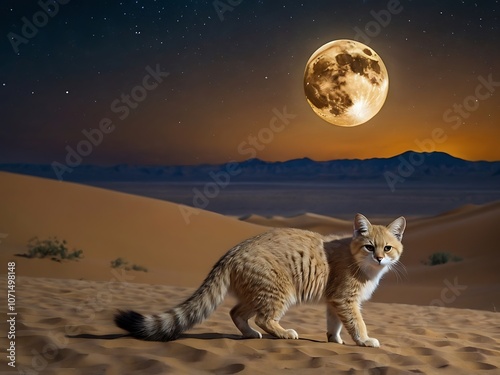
(346, 82)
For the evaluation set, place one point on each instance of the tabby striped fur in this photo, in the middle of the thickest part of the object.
(275, 270)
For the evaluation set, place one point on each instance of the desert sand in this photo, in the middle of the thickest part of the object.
(64, 322)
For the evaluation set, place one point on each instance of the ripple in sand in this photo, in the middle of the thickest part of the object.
(149, 366)
(230, 369)
(423, 351)
(481, 339)
(187, 353)
(484, 366)
(479, 350)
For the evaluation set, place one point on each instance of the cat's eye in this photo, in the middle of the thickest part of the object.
(387, 248)
(370, 247)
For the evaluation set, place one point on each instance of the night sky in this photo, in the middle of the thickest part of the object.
(208, 77)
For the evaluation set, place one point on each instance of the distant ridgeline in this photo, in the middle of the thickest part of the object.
(410, 166)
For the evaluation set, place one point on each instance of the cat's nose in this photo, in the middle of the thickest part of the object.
(379, 259)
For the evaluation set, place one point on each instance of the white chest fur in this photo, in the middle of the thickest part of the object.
(370, 286)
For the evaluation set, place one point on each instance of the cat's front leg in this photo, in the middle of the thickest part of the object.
(333, 324)
(350, 315)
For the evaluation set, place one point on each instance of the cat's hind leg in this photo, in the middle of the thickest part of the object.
(272, 326)
(240, 315)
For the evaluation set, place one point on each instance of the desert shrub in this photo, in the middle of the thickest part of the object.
(52, 247)
(118, 263)
(122, 263)
(442, 258)
(136, 267)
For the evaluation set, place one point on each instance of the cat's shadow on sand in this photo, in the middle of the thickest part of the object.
(200, 336)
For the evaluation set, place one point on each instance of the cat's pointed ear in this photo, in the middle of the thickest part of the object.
(361, 225)
(397, 227)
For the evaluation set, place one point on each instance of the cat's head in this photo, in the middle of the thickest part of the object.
(376, 246)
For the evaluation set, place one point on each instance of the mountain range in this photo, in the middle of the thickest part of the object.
(435, 166)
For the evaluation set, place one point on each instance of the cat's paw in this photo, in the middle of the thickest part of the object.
(253, 334)
(291, 334)
(333, 338)
(371, 342)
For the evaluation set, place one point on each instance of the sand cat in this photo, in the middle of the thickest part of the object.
(275, 270)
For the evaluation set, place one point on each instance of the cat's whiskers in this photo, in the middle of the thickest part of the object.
(403, 268)
(399, 270)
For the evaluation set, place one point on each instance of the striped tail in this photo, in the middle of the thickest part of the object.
(169, 325)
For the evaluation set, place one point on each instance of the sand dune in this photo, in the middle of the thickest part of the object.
(309, 221)
(414, 339)
(106, 225)
(179, 247)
